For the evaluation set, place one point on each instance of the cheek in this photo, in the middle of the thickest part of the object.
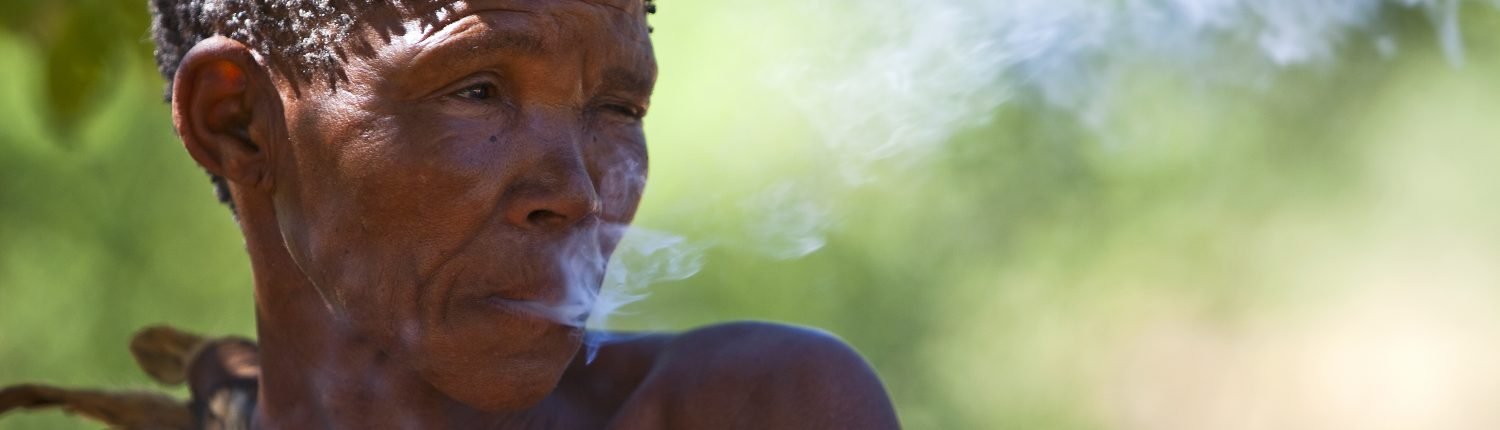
(379, 213)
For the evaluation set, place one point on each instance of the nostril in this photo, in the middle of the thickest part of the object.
(543, 217)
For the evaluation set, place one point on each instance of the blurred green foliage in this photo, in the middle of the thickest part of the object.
(79, 41)
(985, 285)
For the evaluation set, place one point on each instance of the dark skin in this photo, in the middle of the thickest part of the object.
(418, 233)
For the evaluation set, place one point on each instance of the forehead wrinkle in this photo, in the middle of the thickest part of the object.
(614, 4)
(468, 39)
(458, 14)
(438, 14)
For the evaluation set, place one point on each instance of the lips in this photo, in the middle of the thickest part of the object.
(558, 296)
(500, 278)
(541, 292)
(568, 313)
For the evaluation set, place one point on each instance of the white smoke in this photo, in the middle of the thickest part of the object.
(644, 257)
(894, 80)
(792, 223)
(910, 74)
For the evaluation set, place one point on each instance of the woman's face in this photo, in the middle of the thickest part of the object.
(456, 198)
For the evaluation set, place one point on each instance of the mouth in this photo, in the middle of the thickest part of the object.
(557, 284)
(569, 312)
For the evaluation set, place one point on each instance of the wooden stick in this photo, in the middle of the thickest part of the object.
(125, 410)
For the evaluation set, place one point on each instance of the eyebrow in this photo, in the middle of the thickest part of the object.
(627, 80)
(505, 39)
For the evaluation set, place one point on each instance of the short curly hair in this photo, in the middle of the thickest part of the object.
(305, 40)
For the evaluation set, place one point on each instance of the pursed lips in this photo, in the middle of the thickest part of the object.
(559, 294)
(572, 313)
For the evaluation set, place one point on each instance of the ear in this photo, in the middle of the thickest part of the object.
(226, 108)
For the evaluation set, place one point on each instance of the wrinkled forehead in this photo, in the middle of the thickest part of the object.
(427, 16)
(589, 22)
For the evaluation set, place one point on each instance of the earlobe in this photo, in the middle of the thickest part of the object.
(222, 100)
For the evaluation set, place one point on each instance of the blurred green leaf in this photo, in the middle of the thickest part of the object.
(81, 40)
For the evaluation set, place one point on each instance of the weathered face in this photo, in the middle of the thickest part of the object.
(467, 181)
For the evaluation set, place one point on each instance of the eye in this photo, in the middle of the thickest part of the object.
(478, 92)
(629, 111)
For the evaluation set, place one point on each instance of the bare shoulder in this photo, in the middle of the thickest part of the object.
(758, 375)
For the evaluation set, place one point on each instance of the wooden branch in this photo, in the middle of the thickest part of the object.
(124, 410)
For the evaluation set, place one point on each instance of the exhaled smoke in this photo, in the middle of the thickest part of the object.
(894, 80)
(912, 73)
(642, 258)
(792, 224)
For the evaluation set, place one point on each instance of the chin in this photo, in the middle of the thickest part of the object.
(494, 372)
(497, 393)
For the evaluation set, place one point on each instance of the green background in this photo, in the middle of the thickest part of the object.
(1304, 255)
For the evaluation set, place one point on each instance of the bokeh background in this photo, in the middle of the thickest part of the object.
(1220, 231)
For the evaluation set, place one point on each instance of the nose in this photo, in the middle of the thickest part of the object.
(555, 194)
(556, 199)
